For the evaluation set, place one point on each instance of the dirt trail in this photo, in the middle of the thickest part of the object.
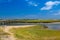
(11, 36)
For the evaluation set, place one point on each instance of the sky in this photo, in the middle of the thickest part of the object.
(29, 9)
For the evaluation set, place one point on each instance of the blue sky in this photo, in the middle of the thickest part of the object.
(30, 9)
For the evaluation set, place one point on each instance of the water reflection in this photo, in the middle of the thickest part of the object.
(54, 26)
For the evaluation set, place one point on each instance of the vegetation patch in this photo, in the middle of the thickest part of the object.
(36, 33)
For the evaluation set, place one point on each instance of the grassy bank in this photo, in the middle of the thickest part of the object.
(36, 33)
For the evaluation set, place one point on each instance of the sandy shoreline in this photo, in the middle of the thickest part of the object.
(7, 28)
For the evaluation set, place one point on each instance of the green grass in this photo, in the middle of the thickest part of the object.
(36, 33)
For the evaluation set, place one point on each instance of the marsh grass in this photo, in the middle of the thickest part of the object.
(35, 33)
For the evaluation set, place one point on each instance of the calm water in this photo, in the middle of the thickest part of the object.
(55, 26)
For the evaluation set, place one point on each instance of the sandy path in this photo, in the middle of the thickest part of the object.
(7, 28)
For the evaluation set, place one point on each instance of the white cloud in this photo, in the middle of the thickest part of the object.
(32, 3)
(56, 13)
(50, 4)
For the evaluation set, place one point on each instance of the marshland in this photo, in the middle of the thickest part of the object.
(29, 29)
